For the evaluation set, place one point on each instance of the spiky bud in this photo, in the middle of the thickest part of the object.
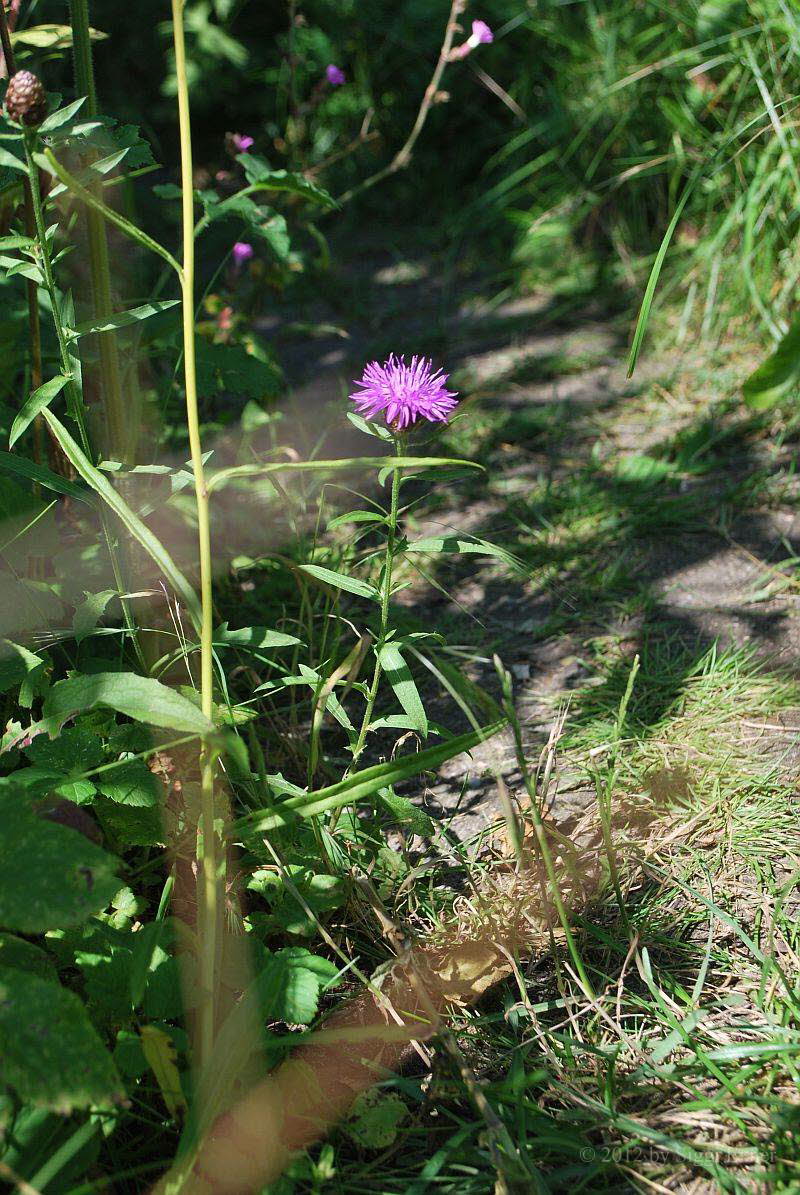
(26, 102)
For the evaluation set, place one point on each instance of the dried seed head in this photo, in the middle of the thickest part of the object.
(26, 102)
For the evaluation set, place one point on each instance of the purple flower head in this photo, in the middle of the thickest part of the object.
(481, 34)
(335, 76)
(242, 252)
(404, 393)
(242, 142)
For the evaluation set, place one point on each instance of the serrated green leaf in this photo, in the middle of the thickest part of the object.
(375, 1118)
(231, 367)
(131, 783)
(288, 988)
(130, 825)
(341, 581)
(34, 405)
(259, 174)
(49, 1052)
(75, 750)
(406, 813)
(398, 674)
(138, 697)
(89, 612)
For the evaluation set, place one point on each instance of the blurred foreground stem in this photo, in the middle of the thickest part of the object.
(111, 400)
(208, 902)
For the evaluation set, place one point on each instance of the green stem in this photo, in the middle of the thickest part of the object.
(116, 425)
(208, 903)
(75, 399)
(386, 594)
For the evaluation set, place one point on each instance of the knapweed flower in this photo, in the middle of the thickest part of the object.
(481, 35)
(335, 76)
(242, 252)
(242, 142)
(404, 393)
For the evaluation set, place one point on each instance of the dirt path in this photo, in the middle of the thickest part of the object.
(651, 515)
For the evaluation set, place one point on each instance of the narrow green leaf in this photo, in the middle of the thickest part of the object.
(341, 581)
(22, 467)
(356, 516)
(399, 677)
(364, 784)
(655, 273)
(122, 319)
(56, 119)
(252, 638)
(139, 697)
(389, 463)
(459, 543)
(34, 405)
(15, 242)
(137, 528)
(48, 161)
(11, 162)
(46, 37)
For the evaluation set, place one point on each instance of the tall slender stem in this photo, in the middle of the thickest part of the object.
(386, 594)
(209, 879)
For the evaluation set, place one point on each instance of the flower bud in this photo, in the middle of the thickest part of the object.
(26, 102)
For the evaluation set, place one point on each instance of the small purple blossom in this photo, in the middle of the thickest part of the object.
(242, 142)
(404, 393)
(481, 34)
(335, 76)
(241, 252)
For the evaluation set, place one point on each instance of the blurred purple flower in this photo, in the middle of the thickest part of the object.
(481, 34)
(335, 76)
(404, 393)
(242, 142)
(241, 253)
